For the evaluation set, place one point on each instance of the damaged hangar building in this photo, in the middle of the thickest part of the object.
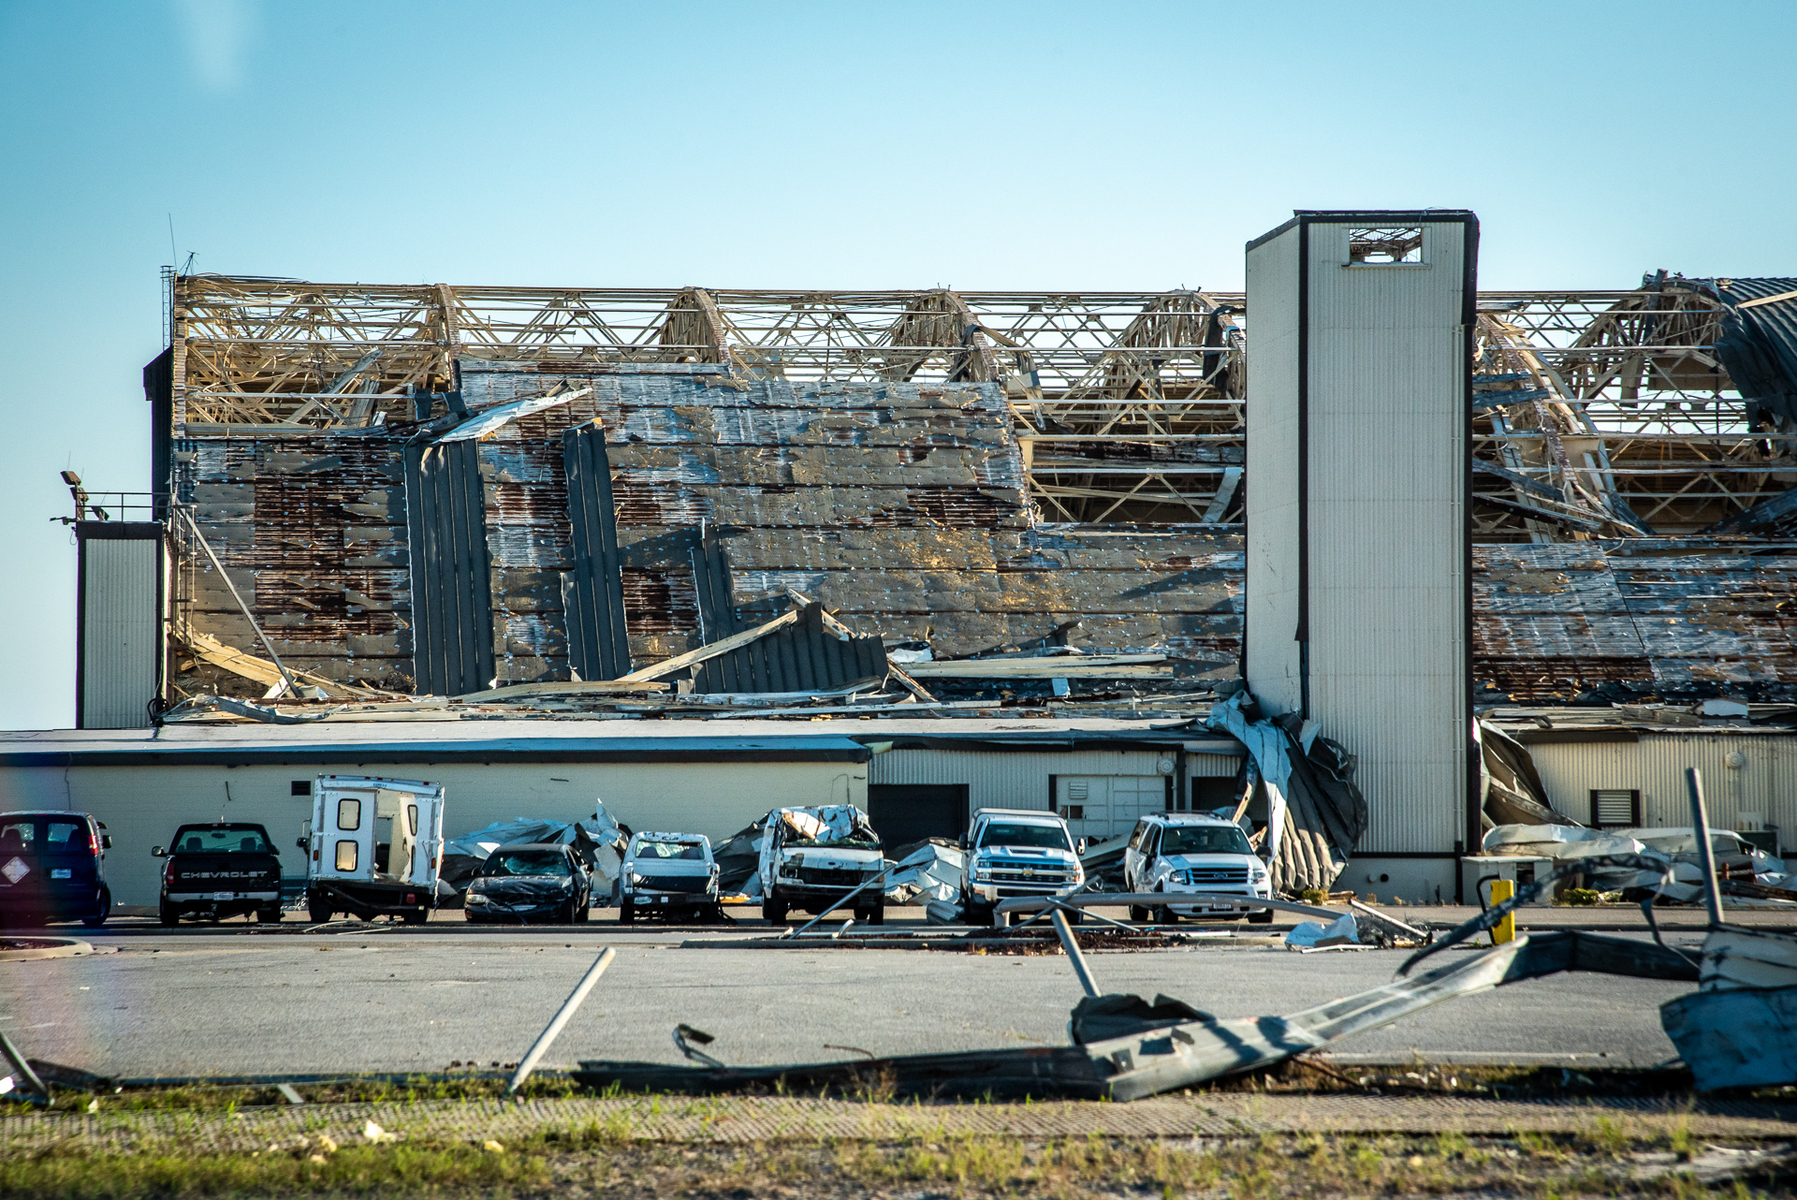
(700, 553)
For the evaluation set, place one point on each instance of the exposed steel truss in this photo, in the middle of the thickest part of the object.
(1128, 404)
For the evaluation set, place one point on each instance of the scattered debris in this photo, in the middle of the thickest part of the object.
(1313, 935)
(1315, 812)
(1739, 1029)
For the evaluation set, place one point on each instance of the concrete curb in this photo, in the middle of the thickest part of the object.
(55, 948)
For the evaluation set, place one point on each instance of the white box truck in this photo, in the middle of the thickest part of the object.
(373, 846)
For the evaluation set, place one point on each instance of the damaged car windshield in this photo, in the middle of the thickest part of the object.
(689, 850)
(1204, 839)
(525, 862)
(1004, 833)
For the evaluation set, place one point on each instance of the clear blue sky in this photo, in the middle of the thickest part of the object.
(1030, 145)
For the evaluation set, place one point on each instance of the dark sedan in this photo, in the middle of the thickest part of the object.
(529, 881)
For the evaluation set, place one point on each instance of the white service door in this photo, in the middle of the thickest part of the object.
(1101, 807)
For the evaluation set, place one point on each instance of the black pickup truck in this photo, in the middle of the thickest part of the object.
(217, 871)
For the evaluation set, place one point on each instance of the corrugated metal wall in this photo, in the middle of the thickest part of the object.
(1765, 782)
(1019, 779)
(121, 631)
(452, 605)
(1358, 420)
(1389, 415)
(1272, 506)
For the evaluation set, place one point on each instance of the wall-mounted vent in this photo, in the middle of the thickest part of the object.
(1616, 808)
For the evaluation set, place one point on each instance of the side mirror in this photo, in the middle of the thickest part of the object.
(158, 852)
(300, 843)
(1079, 847)
(105, 841)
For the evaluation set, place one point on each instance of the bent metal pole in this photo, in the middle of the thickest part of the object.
(1071, 945)
(562, 1015)
(1700, 825)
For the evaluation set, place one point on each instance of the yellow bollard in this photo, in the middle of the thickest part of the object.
(1504, 930)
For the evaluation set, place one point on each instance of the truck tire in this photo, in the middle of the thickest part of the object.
(774, 911)
(318, 908)
(977, 914)
(102, 912)
(1261, 918)
(626, 912)
(1138, 914)
(878, 915)
(415, 916)
(166, 913)
(584, 912)
(268, 916)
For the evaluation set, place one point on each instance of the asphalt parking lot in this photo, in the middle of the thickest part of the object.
(242, 999)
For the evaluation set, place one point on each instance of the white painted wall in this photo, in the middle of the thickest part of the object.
(141, 806)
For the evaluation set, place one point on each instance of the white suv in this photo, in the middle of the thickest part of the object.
(1194, 852)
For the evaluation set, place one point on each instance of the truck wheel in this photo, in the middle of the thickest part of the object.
(102, 912)
(626, 912)
(879, 915)
(584, 912)
(1138, 914)
(318, 908)
(1261, 918)
(415, 916)
(975, 914)
(167, 913)
(268, 916)
(774, 912)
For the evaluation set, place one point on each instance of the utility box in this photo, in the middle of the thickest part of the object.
(1518, 869)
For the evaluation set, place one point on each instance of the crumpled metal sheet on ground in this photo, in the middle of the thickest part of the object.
(1167, 1057)
(1739, 1029)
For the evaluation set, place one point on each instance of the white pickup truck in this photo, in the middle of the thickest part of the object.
(813, 857)
(1016, 852)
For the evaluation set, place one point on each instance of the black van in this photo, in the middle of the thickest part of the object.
(51, 868)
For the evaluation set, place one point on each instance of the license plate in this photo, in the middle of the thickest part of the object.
(64, 873)
(224, 895)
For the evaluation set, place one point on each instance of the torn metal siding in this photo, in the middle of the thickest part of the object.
(899, 506)
(593, 596)
(1555, 621)
(800, 658)
(1758, 346)
(451, 573)
(312, 531)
